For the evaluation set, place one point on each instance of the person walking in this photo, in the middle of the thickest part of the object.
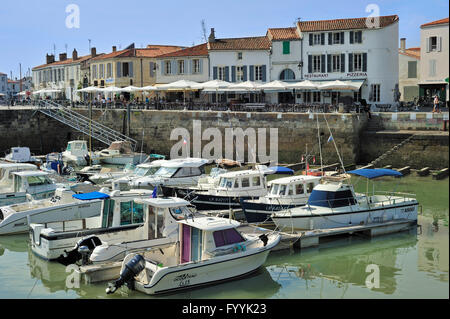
(436, 104)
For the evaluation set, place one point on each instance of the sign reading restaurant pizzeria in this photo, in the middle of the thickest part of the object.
(325, 75)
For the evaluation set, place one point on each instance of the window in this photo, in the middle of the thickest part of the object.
(227, 237)
(299, 189)
(337, 38)
(108, 213)
(316, 38)
(282, 189)
(239, 55)
(94, 71)
(236, 183)
(180, 66)
(412, 69)
(102, 71)
(126, 69)
(291, 190)
(287, 74)
(316, 65)
(357, 62)
(221, 73)
(433, 43)
(239, 73)
(286, 47)
(358, 37)
(307, 97)
(109, 70)
(256, 181)
(196, 66)
(375, 90)
(274, 189)
(316, 97)
(357, 96)
(331, 199)
(131, 213)
(309, 187)
(167, 67)
(336, 63)
(245, 182)
(258, 72)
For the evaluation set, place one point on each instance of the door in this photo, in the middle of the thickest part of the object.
(196, 243)
(186, 244)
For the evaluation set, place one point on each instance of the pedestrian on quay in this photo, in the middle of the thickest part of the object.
(436, 104)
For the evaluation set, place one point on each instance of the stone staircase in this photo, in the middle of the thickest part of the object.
(83, 124)
(392, 150)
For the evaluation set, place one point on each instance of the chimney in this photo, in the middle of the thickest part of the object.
(50, 58)
(74, 55)
(114, 49)
(62, 56)
(212, 36)
(402, 44)
(93, 52)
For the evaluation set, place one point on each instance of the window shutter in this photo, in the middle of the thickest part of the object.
(329, 63)
(215, 73)
(286, 47)
(371, 93)
(130, 66)
(152, 73)
(163, 71)
(309, 63)
(227, 74)
(364, 62)
(322, 38)
(310, 39)
(263, 70)
(342, 62)
(119, 69)
(252, 73)
(174, 67)
(342, 37)
(351, 37)
(350, 62)
(439, 43)
(330, 38)
(233, 73)
(428, 44)
(200, 65)
(244, 72)
(359, 36)
(322, 63)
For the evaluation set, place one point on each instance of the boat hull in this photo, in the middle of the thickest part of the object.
(345, 218)
(260, 212)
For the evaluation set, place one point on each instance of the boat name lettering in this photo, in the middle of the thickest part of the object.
(408, 209)
(184, 277)
(20, 224)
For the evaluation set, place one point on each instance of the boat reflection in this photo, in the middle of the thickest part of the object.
(14, 243)
(340, 266)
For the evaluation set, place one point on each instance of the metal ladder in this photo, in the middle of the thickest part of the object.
(393, 149)
(83, 124)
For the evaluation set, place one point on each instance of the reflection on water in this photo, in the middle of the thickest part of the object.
(411, 264)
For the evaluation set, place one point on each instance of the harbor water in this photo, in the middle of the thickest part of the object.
(412, 264)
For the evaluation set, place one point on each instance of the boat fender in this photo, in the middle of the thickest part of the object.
(128, 272)
(264, 239)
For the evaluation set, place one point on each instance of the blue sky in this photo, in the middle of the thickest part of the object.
(30, 29)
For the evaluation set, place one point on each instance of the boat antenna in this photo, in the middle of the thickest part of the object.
(334, 142)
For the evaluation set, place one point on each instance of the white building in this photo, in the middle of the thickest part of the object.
(408, 71)
(434, 55)
(239, 60)
(3, 85)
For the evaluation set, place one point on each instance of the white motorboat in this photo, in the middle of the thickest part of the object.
(77, 154)
(175, 172)
(21, 155)
(141, 170)
(107, 174)
(160, 221)
(284, 193)
(334, 203)
(17, 185)
(210, 250)
(120, 219)
(120, 153)
(232, 188)
(62, 207)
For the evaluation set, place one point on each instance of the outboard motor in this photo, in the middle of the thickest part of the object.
(82, 250)
(264, 239)
(131, 269)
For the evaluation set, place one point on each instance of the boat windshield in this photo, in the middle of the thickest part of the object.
(331, 199)
(38, 180)
(216, 171)
(226, 182)
(274, 189)
(166, 171)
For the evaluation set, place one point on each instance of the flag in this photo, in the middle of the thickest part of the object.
(154, 195)
(184, 141)
(330, 138)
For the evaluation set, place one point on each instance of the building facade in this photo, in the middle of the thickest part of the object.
(434, 55)
(408, 72)
(3, 85)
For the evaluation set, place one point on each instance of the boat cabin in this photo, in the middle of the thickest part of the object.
(20, 155)
(293, 186)
(77, 148)
(332, 195)
(242, 183)
(6, 178)
(141, 170)
(203, 237)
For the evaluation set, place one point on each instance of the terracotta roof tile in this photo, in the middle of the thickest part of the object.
(283, 33)
(250, 43)
(441, 21)
(197, 50)
(412, 52)
(343, 24)
(150, 51)
(67, 61)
